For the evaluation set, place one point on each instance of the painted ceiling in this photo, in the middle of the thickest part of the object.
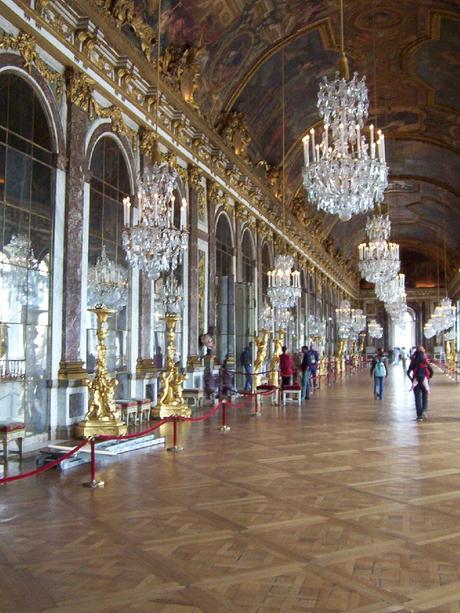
(409, 51)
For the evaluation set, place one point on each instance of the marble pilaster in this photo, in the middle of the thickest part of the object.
(193, 330)
(72, 363)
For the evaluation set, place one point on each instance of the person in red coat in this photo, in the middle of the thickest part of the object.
(286, 367)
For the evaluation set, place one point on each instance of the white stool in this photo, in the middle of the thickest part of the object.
(291, 390)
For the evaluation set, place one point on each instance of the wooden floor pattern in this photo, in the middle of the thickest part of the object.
(346, 504)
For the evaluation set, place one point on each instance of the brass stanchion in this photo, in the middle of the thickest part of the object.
(175, 447)
(101, 416)
(223, 427)
(171, 380)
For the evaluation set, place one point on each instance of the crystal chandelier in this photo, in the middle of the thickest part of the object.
(107, 284)
(428, 330)
(378, 259)
(396, 309)
(344, 317)
(20, 268)
(282, 318)
(316, 326)
(172, 295)
(266, 318)
(391, 290)
(152, 242)
(374, 329)
(343, 174)
(358, 320)
(450, 335)
(443, 317)
(284, 283)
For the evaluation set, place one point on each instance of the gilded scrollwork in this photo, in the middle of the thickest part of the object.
(26, 45)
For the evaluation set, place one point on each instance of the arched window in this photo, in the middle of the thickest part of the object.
(27, 188)
(224, 248)
(109, 185)
(247, 258)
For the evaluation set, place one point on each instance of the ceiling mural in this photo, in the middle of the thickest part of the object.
(409, 53)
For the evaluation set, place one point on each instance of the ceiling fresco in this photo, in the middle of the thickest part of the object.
(409, 51)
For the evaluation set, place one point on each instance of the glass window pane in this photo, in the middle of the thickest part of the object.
(2, 172)
(109, 229)
(20, 116)
(41, 132)
(41, 189)
(18, 178)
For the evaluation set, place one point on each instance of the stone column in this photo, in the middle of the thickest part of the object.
(193, 324)
(72, 363)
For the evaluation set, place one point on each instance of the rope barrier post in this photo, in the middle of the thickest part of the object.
(175, 447)
(223, 427)
(93, 483)
(257, 412)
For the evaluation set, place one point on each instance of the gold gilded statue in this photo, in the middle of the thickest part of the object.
(171, 401)
(275, 361)
(101, 416)
(261, 342)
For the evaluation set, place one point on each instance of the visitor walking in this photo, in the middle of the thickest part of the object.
(379, 369)
(312, 360)
(403, 355)
(286, 367)
(419, 372)
(246, 361)
(306, 373)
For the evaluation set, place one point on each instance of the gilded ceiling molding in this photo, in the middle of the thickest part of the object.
(122, 12)
(182, 126)
(26, 46)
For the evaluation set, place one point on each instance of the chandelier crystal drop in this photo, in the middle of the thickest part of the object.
(378, 259)
(358, 320)
(283, 283)
(374, 329)
(107, 284)
(152, 242)
(344, 174)
(282, 317)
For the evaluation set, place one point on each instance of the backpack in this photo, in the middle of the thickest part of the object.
(380, 370)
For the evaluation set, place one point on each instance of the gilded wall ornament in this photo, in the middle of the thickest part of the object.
(231, 126)
(182, 68)
(80, 91)
(26, 45)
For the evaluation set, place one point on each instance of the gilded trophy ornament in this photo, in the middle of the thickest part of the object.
(171, 401)
(101, 416)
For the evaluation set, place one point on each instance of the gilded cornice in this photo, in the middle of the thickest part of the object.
(127, 75)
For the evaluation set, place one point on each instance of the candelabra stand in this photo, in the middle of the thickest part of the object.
(171, 401)
(101, 416)
(275, 361)
(261, 341)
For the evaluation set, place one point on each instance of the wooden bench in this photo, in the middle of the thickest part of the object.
(291, 390)
(193, 397)
(12, 431)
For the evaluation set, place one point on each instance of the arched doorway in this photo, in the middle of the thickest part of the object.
(403, 334)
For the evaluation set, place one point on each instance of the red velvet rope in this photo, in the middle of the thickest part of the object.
(124, 437)
(207, 415)
(42, 469)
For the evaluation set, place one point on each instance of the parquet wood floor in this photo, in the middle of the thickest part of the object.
(346, 504)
